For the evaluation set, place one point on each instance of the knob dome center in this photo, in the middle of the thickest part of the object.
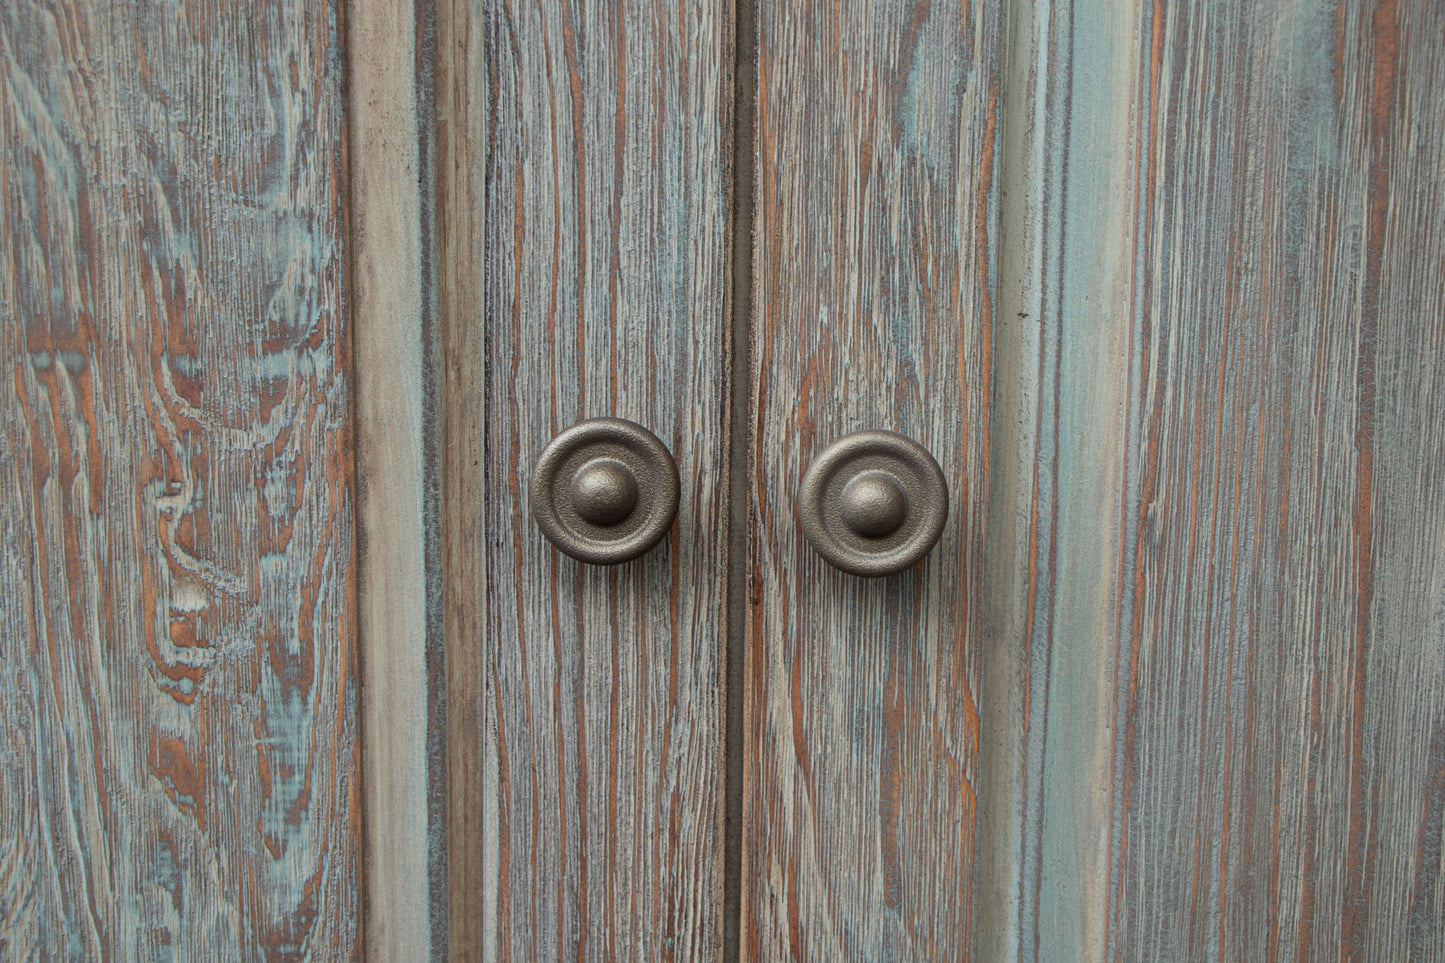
(873, 505)
(604, 491)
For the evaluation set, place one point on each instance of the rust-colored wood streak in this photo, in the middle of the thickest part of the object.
(607, 254)
(178, 738)
(875, 214)
(1231, 723)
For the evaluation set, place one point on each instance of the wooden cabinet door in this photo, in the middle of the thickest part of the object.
(607, 293)
(876, 220)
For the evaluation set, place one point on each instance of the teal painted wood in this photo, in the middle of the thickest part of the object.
(1214, 708)
(178, 740)
(873, 276)
(607, 258)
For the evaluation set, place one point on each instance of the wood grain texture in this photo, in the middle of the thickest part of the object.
(875, 216)
(178, 723)
(389, 125)
(462, 99)
(606, 293)
(1218, 726)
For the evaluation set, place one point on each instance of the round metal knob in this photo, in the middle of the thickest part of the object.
(605, 491)
(873, 503)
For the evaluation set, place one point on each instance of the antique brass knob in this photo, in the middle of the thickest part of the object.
(604, 491)
(873, 503)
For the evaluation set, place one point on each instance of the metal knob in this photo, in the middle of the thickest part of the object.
(873, 503)
(605, 491)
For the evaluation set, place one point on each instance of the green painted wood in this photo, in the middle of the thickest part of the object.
(178, 737)
(875, 210)
(1214, 710)
(606, 293)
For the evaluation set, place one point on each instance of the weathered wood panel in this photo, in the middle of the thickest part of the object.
(177, 661)
(459, 177)
(1218, 712)
(875, 220)
(606, 293)
(394, 263)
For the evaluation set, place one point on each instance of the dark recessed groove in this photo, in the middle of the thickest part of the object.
(745, 74)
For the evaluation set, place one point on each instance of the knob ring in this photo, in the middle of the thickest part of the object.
(825, 520)
(613, 440)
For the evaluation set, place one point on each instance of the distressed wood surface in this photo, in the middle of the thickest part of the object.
(1215, 680)
(875, 217)
(606, 293)
(459, 223)
(403, 686)
(178, 722)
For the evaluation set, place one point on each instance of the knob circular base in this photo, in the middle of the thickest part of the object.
(873, 503)
(605, 491)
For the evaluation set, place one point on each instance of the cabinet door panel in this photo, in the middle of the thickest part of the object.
(1229, 738)
(178, 723)
(606, 295)
(875, 211)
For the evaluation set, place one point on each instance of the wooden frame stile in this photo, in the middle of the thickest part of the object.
(179, 750)
(1055, 497)
(462, 98)
(396, 259)
(419, 155)
(1045, 515)
(996, 933)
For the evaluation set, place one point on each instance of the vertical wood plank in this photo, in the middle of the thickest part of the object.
(1056, 452)
(462, 102)
(1229, 703)
(873, 273)
(178, 722)
(606, 293)
(394, 264)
